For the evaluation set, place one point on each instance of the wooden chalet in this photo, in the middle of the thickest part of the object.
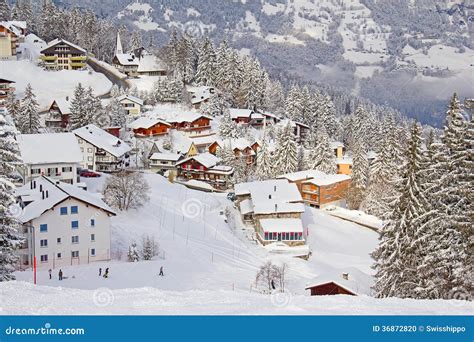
(5, 89)
(58, 115)
(149, 127)
(192, 123)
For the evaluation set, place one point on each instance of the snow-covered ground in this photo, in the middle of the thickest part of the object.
(50, 85)
(209, 267)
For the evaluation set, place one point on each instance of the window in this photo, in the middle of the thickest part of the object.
(89, 150)
(63, 210)
(75, 254)
(89, 158)
(59, 255)
(44, 243)
(74, 224)
(67, 169)
(266, 235)
(93, 251)
(92, 222)
(35, 171)
(58, 240)
(44, 258)
(43, 228)
(75, 239)
(92, 237)
(74, 209)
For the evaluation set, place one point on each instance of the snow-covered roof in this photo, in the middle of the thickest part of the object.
(19, 23)
(128, 59)
(58, 41)
(200, 94)
(315, 177)
(270, 115)
(146, 122)
(285, 122)
(11, 27)
(165, 156)
(63, 105)
(131, 98)
(272, 196)
(336, 144)
(54, 193)
(188, 117)
(240, 144)
(240, 113)
(344, 160)
(280, 225)
(148, 62)
(206, 159)
(246, 206)
(102, 139)
(358, 282)
(49, 148)
(206, 140)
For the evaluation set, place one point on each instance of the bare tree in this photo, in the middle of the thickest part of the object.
(271, 276)
(126, 190)
(280, 274)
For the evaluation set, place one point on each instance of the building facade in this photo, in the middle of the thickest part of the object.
(63, 55)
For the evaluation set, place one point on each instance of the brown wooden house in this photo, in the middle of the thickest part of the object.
(192, 123)
(320, 189)
(5, 89)
(59, 112)
(329, 288)
(149, 127)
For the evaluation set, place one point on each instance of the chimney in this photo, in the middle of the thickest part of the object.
(276, 207)
(345, 276)
(34, 184)
(31, 184)
(47, 193)
(275, 188)
(67, 98)
(42, 194)
(269, 196)
(41, 187)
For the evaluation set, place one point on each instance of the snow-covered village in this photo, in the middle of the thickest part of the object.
(185, 176)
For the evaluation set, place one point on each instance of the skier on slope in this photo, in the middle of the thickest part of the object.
(161, 271)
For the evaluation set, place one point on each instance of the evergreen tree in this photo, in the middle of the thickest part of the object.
(13, 107)
(4, 11)
(79, 108)
(9, 237)
(28, 119)
(265, 169)
(360, 174)
(118, 115)
(321, 157)
(286, 152)
(293, 104)
(132, 254)
(135, 41)
(217, 105)
(227, 127)
(206, 67)
(403, 242)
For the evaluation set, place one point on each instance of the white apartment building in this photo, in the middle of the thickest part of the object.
(101, 151)
(63, 224)
(55, 155)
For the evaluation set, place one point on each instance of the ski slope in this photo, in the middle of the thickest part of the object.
(209, 266)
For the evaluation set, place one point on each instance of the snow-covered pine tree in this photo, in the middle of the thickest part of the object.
(321, 156)
(13, 107)
(4, 11)
(206, 67)
(118, 115)
(360, 174)
(227, 127)
(79, 115)
(329, 117)
(132, 254)
(452, 191)
(403, 245)
(221, 65)
(225, 153)
(293, 103)
(9, 237)
(306, 106)
(265, 168)
(286, 152)
(135, 41)
(28, 120)
(216, 106)
(185, 59)
(274, 97)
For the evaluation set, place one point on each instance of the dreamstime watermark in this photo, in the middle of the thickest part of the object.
(192, 208)
(15, 210)
(193, 29)
(46, 330)
(281, 299)
(103, 120)
(103, 297)
(461, 297)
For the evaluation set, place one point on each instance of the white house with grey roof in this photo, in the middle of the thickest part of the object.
(63, 224)
(55, 155)
(101, 151)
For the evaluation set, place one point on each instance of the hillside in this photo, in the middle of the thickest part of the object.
(209, 267)
(338, 43)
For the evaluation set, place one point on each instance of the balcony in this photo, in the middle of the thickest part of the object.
(78, 58)
(48, 58)
(78, 65)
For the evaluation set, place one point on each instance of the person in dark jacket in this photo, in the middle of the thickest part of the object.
(161, 271)
(100, 271)
(50, 271)
(60, 274)
(106, 273)
(273, 285)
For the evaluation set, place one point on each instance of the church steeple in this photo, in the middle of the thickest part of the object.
(119, 49)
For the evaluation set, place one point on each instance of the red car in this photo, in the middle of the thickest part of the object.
(88, 174)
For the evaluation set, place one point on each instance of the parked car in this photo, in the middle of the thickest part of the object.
(89, 174)
(231, 196)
